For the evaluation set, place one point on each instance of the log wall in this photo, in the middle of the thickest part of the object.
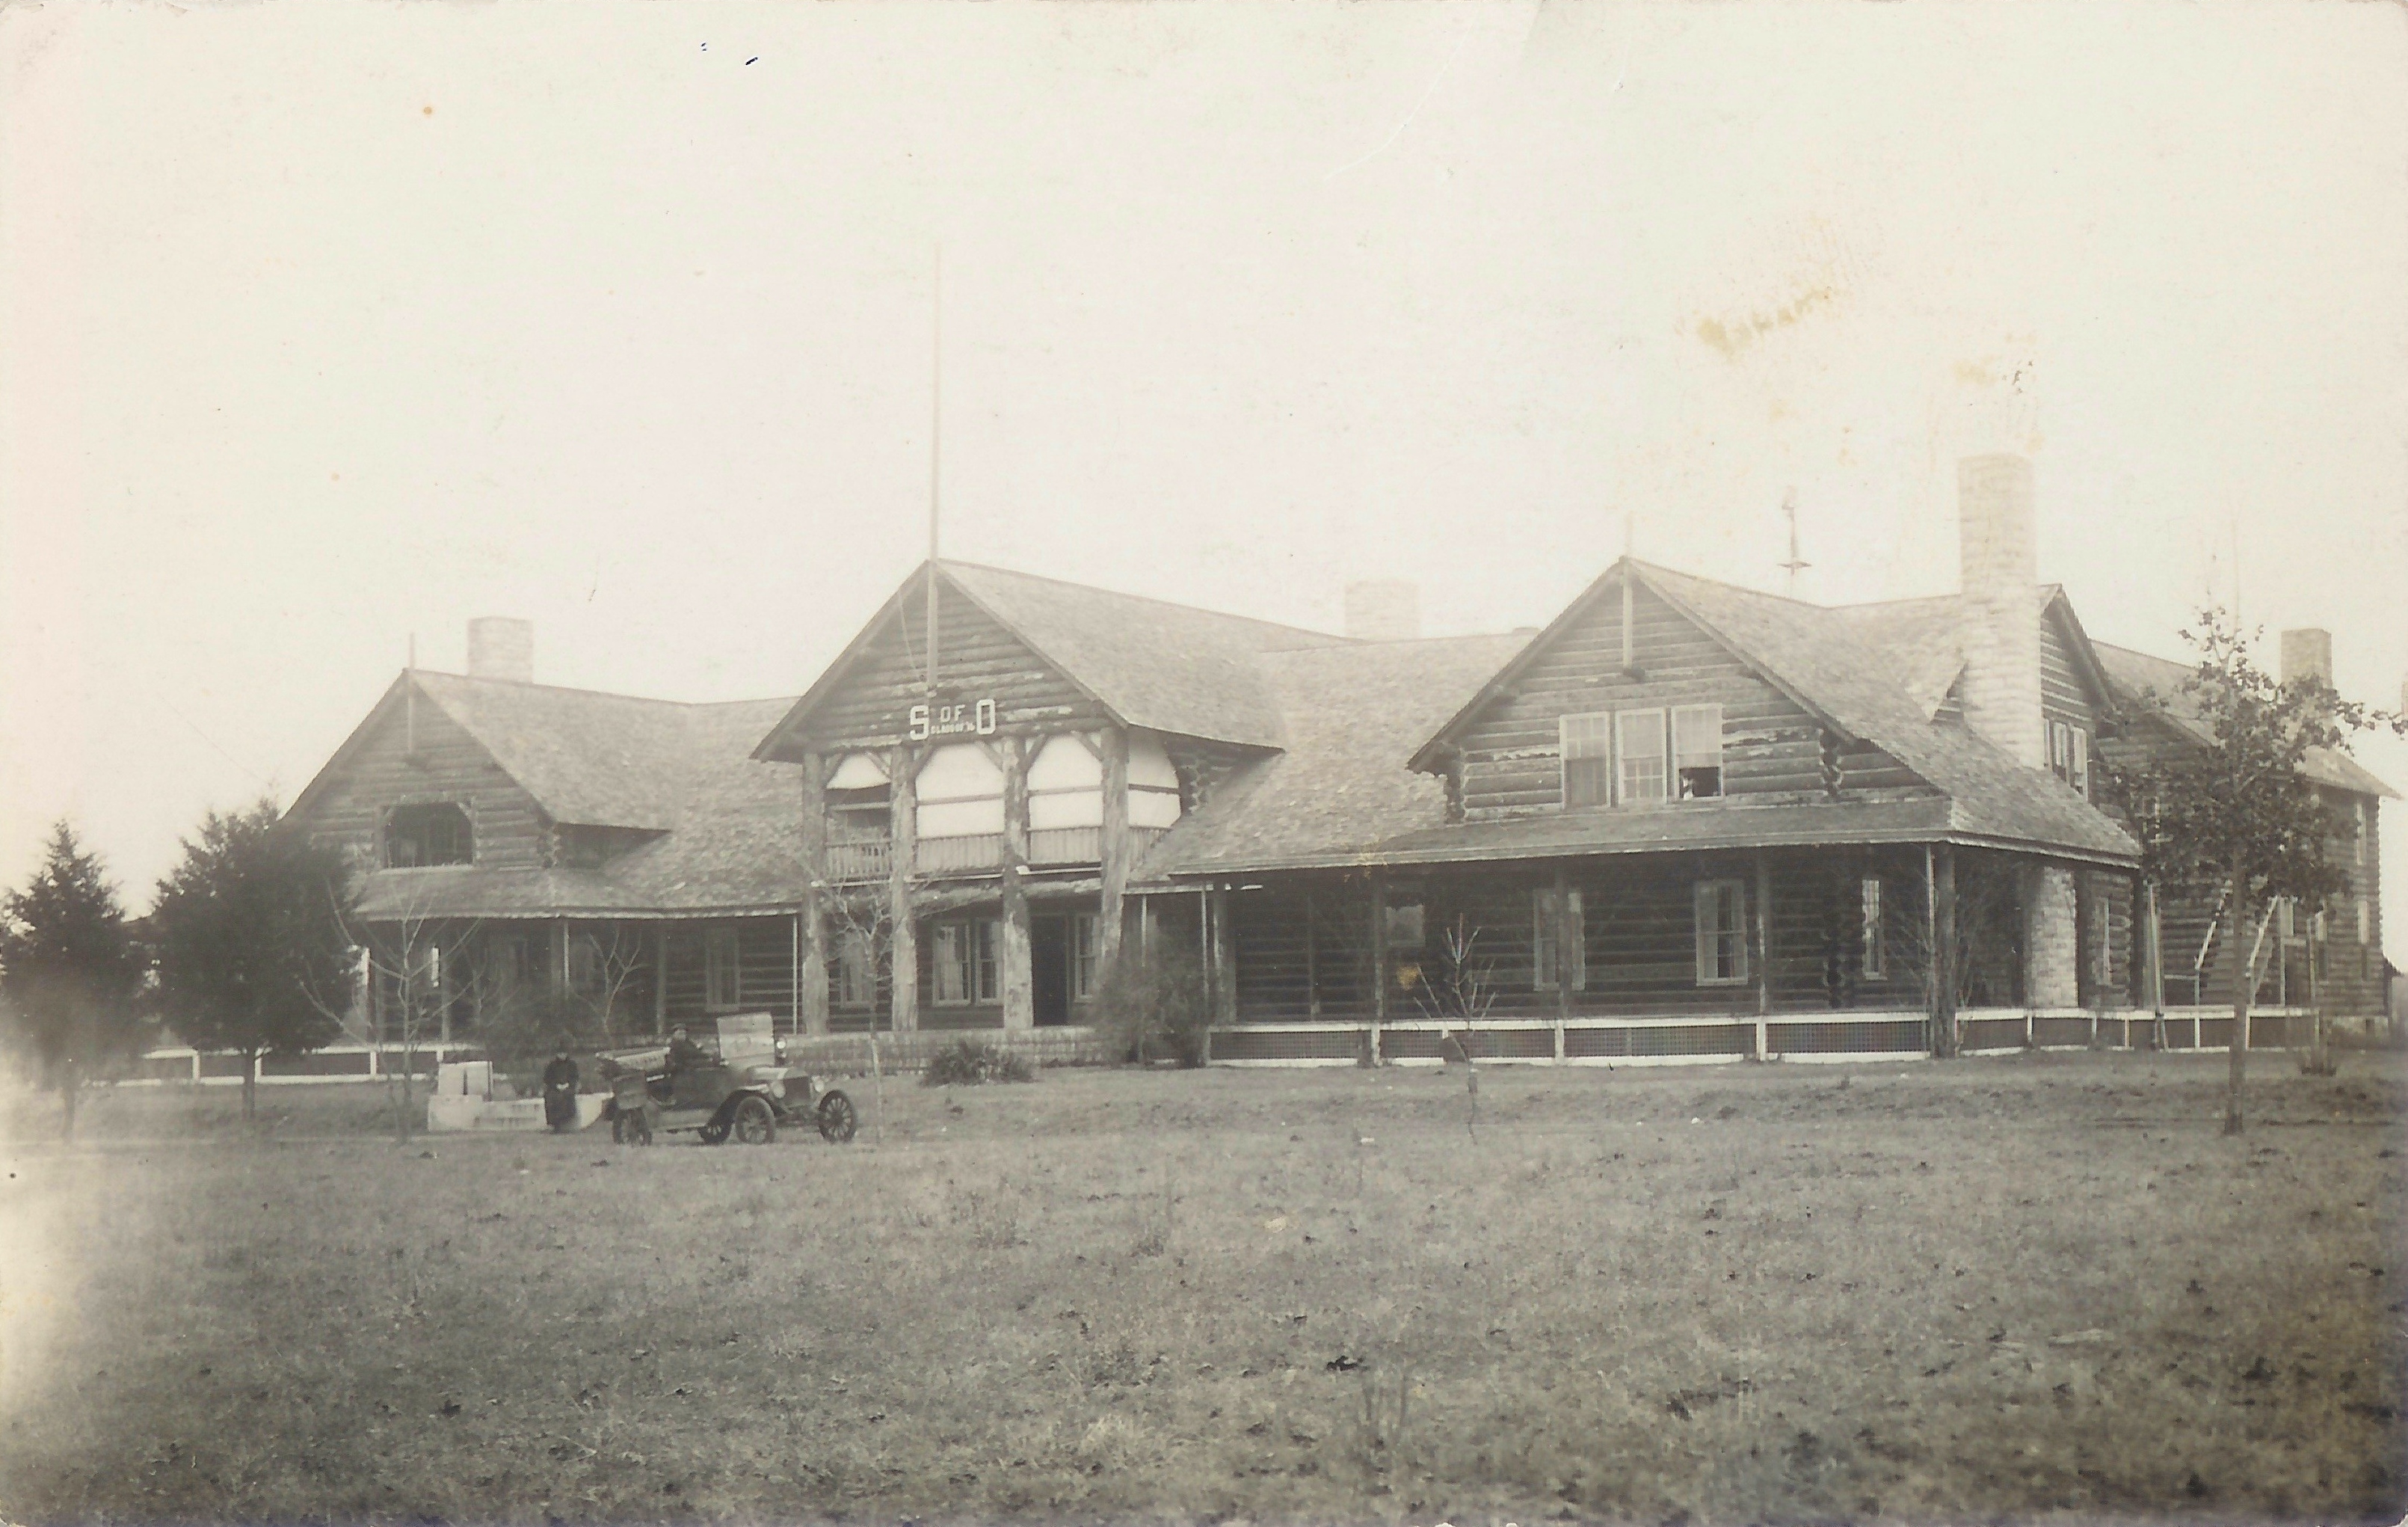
(1512, 753)
(510, 831)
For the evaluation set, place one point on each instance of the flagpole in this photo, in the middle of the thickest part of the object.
(935, 459)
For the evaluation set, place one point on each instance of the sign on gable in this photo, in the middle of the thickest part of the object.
(952, 719)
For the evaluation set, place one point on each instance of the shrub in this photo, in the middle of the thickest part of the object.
(1151, 1006)
(968, 1064)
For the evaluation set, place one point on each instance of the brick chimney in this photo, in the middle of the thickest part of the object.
(1999, 574)
(2307, 653)
(500, 647)
(1383, 609)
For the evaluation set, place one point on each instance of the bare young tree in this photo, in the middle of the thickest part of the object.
(411, 963)
(1460, 994)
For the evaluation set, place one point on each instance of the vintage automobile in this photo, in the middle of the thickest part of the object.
(742, 1091)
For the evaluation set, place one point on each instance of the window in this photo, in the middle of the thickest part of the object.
(2360, 826)
(853, 975)
(1638, 756)
(1083, 956)
(1557, 961)
(585, 964)
(1698, 751)
(1588, 764)
(965, 962)
(416, 836)
(723, 985)
(2365, 920)
(2069, 754)
(1722, 933)
(1875, 956)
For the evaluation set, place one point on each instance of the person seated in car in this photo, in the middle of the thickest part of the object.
(685, 1054)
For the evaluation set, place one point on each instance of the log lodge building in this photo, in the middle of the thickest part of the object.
(1684, 820)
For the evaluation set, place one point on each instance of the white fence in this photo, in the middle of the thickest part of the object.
(182, 1064)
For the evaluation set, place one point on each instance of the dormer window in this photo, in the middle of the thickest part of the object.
(430, 834)
(1624, 757)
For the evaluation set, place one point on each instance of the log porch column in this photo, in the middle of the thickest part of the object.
(813, 979)
(1763, 933)
(903, 937)
(1940, 875)
(1225, 978)
(1378, 947)
(1114, 868)
(1019, 981)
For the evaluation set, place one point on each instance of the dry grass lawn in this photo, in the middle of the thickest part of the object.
(1995, 1289)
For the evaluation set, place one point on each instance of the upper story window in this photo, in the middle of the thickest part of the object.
(858, 801)
(1627, 756)
(2069, 754)
(1588, 759)
(436, 833)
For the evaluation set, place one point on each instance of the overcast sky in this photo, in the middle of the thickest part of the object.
(325, 325)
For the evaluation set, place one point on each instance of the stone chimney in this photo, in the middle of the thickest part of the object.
(500, 647)
(1999, 572)
(2307, 653)
(1383, 609)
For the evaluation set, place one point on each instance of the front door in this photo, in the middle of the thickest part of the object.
(1048, 959)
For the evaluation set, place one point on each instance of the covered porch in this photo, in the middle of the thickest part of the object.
(1841, 951)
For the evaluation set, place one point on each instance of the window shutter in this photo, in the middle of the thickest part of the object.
(1574, 942)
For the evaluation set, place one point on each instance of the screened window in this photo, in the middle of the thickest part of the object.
(965, 962)
(853, 978)
(1698, 751)
(437, 833)
(1722, 933)
(1875, 956)
(1638, 753)
(1588, 762)
(1557, 956)
(722, 984)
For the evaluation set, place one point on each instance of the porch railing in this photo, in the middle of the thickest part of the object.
(858, 860)
(1902, 1034)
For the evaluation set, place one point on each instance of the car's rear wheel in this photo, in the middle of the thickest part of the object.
(715, 1132)
(753, 1124)
(631, 1129)
(837, 1121)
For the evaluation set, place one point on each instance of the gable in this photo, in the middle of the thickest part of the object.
(866, 698)
(1508, 744)
(407, 753)
(2072, 687)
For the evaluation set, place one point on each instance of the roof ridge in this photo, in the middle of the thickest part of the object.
(1736, 588)
(1143, 599)
(598, 694)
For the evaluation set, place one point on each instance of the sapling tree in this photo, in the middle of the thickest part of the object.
(1459, 993)
(249, 932)
(69, 971)
(2231, 811)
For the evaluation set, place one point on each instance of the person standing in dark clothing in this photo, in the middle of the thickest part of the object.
(560, 1092)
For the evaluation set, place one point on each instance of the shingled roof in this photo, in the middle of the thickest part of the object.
(1340, 787)
(1151, 664)
(2134, 674)
(1344, 792)
(725, 834)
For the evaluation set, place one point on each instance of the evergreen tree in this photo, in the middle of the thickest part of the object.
(252, 951)
(69, 971)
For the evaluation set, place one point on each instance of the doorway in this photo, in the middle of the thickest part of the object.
(1048, 960)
